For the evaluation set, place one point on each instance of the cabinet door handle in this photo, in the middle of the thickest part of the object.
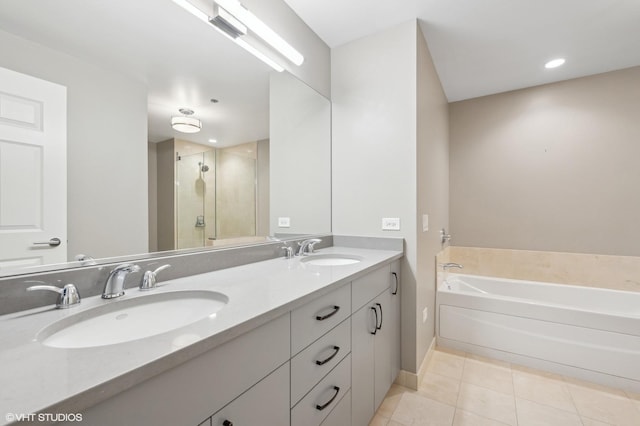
(375, 329)
(324, 361)
(394, 292)
(379, 327)
(336, 308)
(227, 423)
(322, 407)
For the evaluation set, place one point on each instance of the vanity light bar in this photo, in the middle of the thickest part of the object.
(261, 30)
(239, 41)
(226, 23)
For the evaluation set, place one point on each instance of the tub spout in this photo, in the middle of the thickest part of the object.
(449, 265)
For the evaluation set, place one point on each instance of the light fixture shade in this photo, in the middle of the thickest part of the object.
(186, 124)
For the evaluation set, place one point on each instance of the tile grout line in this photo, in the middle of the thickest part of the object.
(515, 401)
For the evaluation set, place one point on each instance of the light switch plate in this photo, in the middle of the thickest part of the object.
(425, 222)
(284, 222)
(390, 223)
(425, 314)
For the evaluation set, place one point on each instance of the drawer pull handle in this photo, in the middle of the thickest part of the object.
(324, 361)
(375, 328)
(394, 292)
(336, 308)
(379, 327)
(322, 407)
(227, 423)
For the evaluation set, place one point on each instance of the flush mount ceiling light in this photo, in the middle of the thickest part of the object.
(555, 63)
(234, 24)
(186, 123)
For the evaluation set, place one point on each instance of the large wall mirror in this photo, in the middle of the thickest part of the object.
(125, 182)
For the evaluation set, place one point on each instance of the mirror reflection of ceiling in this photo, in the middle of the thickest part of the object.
(177, 66)
(492, 46)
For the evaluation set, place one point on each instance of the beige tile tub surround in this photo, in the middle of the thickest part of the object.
(461, 389)
(592, 270)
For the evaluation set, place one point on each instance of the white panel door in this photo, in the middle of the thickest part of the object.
(33, 171)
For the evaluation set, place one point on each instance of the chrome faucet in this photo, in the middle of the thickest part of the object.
(114, 286)
(449, 265)
(307, 246)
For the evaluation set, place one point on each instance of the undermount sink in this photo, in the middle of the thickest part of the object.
(120, 321)
(331, 259)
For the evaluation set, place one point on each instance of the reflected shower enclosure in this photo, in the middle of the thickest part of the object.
(216, 194)
(195, 199)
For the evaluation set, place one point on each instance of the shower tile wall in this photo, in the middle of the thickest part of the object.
(593, 270)
(236, 191)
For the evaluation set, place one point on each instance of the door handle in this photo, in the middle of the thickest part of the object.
(54, 242)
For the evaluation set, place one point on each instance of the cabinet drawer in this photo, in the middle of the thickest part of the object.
(328, 350)
(366, 288)
(266, 403)
(314, 319)
(326, 395)
(341, 415)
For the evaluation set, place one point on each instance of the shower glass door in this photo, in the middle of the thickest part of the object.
(196, 200)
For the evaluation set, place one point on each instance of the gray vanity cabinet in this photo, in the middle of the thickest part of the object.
(375, 328)
(321, 362)
(266, 403)
(329, 362)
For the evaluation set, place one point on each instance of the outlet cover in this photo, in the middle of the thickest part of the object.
(425, 222)
(390, 223)
(284, 222)
(425, 314)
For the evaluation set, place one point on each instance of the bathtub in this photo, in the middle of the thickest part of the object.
(588, 333)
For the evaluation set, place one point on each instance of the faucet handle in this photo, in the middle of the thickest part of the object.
(67, 296)
(312, 244)
(149, 279)
(288, 251)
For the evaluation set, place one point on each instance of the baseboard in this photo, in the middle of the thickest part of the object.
(412, 380)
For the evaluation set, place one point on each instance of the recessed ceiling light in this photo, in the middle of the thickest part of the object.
(213, 140)
(554, 63)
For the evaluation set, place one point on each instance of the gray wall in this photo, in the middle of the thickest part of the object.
(316, 69)
(552, 168)
(433, 188)
(106, 148)
(389, 125)
(300, 155)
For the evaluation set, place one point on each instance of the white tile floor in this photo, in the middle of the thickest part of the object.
(466, 390)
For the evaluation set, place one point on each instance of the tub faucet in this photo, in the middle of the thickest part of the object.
(114, 286)
(449, 265)
(307, 246)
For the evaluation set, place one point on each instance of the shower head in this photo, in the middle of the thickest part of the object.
(203, 167)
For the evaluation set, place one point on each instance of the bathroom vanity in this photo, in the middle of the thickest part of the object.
(304, 341)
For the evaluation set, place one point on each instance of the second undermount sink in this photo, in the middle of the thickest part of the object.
(120, 321)
(331, 259)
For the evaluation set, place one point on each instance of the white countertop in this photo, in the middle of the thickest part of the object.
(36, 378)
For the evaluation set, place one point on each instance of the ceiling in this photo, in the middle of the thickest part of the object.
(482, 47)
(479, 48)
